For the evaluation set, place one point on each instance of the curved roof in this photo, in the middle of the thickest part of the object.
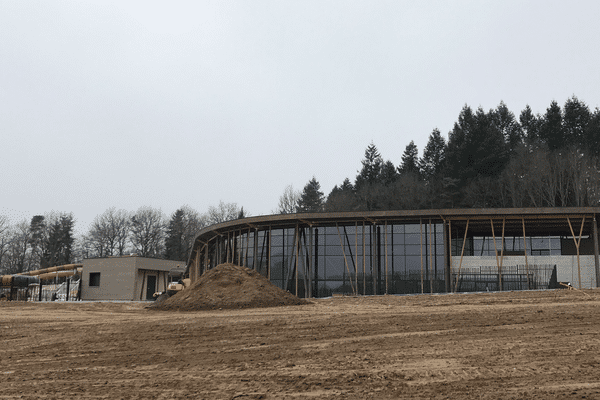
(538, 221)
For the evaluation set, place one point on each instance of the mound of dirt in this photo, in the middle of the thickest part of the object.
(229, 286)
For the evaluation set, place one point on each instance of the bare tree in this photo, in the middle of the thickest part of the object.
(222, 213)
(288, 201)
(148, 232)
(193, 222)
(4, 238)
(16, 257)
(108, 233)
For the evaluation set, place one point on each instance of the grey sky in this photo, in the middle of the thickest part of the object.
(133, 103)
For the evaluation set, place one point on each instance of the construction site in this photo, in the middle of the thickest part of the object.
(470, 304)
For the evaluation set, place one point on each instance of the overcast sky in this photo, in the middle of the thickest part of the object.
(164, 104)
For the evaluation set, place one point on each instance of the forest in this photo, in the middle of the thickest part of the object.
(491, 159)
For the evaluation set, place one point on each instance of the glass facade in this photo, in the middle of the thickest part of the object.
(485, 246)
(355, 259)
(402, 252)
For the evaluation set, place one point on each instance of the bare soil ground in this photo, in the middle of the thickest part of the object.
(513, 345)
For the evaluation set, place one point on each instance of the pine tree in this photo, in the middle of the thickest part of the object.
(576, 118)
(551, 129)
(371, 168)
(592, 134)
(434, 156)
(530, 124)
(311, 199)
(410, 160)
(457, 158)
(174, 242)
(506, 122)
(341, 198)
(388, 174)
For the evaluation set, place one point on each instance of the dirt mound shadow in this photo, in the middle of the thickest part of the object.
(229, 286)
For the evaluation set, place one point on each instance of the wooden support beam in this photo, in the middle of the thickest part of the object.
(296, 234)
(431, 258)
(247, 248)
(356, 252)
(596, 250)
(525, 250)
(344, 254)
(310, 261)
(269, 258)
(449, 259)
(462, 252)
(501, 254)
(496, 253)
(364, 260)
(577, 244)
(386, 258)
(255, 250)
(421, 242)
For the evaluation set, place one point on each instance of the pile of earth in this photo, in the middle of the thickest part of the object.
(229, 286)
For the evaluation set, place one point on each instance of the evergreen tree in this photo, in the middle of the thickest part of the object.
(576, 118)
(371, 168)
(592, 134)
(341, 198)
(60, 241)
(487, 146)
(410, 160)
(551, 128)
(388, 173)
(506, 122)
(175, 248)
(457, 157)
(311, 199)
(530, 124)
(434, 155)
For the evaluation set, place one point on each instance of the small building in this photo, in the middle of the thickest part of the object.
(130, 278)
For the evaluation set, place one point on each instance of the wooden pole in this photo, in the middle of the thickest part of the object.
(364, 261)
(501, 253)
(462, 252)
(596, 251)
(310, 261)
(525, 249)
(356, 256)
(296, 250)
(577, 243)
(496, 252)
(344, 254)
(269, 255)
(431, 258)
(421, 241)
(449, 271)
(386, 258)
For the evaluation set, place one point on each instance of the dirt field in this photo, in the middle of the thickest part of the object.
(518, 345)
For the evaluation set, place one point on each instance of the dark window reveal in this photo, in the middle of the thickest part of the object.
(94, 278)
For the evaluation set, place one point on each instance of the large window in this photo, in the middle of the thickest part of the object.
(94, 278)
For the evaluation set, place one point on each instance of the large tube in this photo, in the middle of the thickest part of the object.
(65, 267)
(58, 274)
(18, 280)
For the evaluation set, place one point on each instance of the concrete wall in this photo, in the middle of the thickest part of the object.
(121, 277)
(566, 266)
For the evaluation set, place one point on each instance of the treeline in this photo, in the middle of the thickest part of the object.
(491, 159)
(48, 240)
